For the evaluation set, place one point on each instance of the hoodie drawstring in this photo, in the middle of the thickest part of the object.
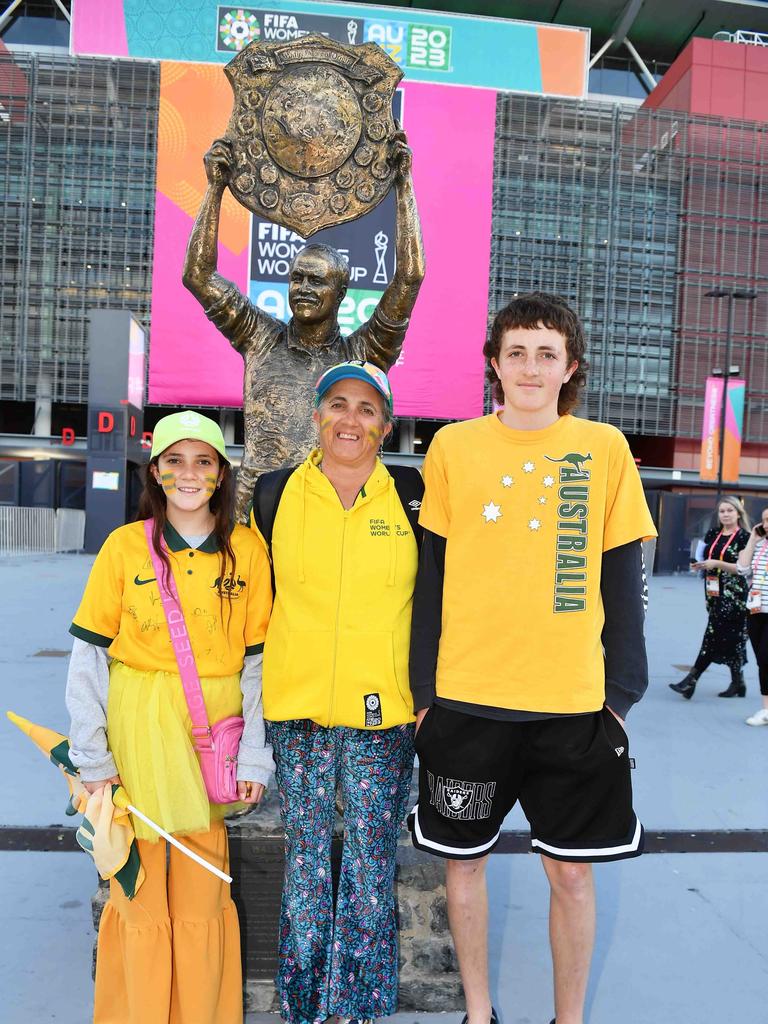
(392, 495)
(302, 521)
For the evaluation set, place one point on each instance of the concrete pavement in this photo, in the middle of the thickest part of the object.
(681, 937)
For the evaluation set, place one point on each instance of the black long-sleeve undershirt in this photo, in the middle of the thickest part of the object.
(624, 593)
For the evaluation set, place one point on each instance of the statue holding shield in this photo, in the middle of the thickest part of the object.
(311, 143)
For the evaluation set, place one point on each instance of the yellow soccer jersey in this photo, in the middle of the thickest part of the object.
(121, 608)
(527, 516)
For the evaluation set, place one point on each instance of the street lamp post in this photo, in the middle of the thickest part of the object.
(730, 294)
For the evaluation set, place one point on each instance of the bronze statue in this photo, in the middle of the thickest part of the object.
(283, 361)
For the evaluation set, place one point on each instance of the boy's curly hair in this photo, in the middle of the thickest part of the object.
(553, 312)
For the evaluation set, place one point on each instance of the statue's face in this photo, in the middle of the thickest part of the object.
(313, 288)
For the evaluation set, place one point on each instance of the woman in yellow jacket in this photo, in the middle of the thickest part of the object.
(171, 955)
(337, 700)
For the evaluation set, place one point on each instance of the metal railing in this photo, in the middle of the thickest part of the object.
(742, 36)
(28, 531)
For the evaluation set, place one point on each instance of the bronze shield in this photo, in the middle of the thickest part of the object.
(310, 130)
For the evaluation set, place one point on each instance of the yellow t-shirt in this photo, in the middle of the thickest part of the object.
(527, 516)
(121, 608)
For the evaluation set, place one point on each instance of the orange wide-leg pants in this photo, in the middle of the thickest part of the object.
(171, 955)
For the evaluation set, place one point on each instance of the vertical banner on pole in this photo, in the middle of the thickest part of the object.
(734, 421)
(710, 431)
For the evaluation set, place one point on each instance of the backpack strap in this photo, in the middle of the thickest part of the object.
(266, 497)
(410, 490)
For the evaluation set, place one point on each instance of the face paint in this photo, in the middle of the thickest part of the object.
(374, 434)
(324, 424)
(210, 484)
(168, 481)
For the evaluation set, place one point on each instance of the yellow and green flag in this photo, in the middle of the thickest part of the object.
(106, 831)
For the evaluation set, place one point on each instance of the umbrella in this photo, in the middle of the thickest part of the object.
(106, 831)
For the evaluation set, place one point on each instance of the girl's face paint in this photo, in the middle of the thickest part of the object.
(188, 471)
(351, 423)
(168, 481)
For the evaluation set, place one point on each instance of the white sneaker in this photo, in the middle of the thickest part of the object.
(759, 718)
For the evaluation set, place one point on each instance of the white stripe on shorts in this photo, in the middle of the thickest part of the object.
(604, 851)
(459, 851)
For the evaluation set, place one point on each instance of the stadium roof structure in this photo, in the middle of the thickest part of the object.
(658, 29)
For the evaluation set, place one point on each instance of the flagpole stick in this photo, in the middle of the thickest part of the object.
(180, 846)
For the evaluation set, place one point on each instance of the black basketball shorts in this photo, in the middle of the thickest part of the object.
(571, 775)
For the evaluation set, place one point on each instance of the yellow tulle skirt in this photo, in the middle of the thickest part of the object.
(149, 733)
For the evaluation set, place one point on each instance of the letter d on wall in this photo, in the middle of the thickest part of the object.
(106, 423)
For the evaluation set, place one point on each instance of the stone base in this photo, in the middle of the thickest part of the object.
(259, 996)
(429, 973)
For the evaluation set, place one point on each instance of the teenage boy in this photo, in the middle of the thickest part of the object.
(527, 644)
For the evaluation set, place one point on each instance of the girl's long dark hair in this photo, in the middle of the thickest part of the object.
(152, 505)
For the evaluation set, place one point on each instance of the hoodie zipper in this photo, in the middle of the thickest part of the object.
(338, 611)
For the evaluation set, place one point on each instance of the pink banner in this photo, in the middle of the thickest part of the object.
(190, 363)
(100, 29)
(440, 373)
(451, 131)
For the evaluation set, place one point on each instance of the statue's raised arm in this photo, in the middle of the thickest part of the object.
(385, 331)
(224, 304)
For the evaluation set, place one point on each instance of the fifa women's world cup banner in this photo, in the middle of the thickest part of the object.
(450, 130)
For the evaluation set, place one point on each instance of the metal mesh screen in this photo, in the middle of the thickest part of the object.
(77, 186)
(631, 215)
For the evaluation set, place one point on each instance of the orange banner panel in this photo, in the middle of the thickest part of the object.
(195, 101)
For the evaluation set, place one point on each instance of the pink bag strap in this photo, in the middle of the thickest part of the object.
(182, 646)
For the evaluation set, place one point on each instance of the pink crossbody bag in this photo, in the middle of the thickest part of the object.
(216, 745)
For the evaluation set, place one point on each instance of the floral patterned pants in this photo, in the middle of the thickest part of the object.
(344, 961)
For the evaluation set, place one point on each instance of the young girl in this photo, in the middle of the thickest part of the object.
(172, 954)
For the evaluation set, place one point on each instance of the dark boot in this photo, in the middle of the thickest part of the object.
(738, 687)
(686, 686)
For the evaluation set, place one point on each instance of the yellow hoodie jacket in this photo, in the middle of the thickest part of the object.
(336, 649)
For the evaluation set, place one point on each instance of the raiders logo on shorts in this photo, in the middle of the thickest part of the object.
(455, 798)
(372, 710)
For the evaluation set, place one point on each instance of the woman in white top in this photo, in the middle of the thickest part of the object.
(753, 563)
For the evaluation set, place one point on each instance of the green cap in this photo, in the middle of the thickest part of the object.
(187, 426)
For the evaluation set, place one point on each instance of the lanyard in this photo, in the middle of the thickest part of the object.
(725, 546)
(757, 556)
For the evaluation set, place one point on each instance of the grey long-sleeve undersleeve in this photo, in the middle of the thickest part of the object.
(254, 760)
(86, 698)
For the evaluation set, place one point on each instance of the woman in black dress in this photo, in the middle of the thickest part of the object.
(725, 638)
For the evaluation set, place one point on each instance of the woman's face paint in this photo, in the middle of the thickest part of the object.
(351, 423)
(188, 472)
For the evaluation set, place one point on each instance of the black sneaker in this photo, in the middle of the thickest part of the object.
(494, 1018)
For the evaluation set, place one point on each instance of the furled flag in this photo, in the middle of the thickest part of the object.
(106, 831)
